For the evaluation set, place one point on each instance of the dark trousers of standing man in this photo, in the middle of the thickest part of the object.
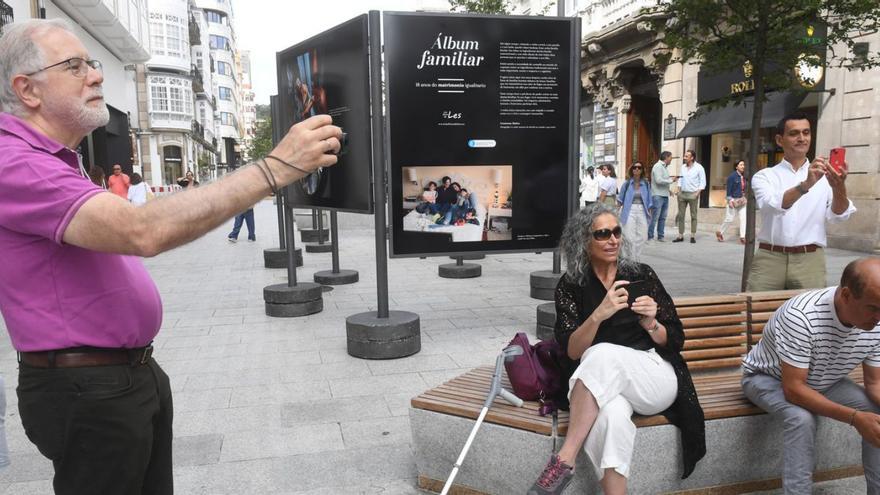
(106, 429)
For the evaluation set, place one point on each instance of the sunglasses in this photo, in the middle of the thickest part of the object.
(605, 234)
(637, 168)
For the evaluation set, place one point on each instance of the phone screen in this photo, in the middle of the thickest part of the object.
(636, 289)
(838, 159)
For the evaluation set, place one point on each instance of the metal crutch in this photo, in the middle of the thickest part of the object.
(495, 390)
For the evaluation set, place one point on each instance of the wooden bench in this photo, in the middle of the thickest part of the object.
(719, 330)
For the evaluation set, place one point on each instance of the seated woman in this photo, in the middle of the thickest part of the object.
(429, 200)
(622, 357)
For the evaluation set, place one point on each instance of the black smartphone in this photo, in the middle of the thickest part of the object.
(636, 289)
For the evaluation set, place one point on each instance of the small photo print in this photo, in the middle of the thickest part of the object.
(473, 203)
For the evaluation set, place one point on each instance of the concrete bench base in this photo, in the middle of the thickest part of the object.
(743, 450)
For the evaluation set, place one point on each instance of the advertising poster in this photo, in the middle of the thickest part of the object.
(480, 132)
(329, 74)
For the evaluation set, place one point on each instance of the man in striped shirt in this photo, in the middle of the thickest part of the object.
(799, 370)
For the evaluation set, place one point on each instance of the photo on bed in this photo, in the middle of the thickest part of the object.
(473, 203)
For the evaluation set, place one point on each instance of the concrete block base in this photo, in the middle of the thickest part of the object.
(506, 460)
(327, 277)
(303, 299)
(542, 284)
(465, 270)
(544, 332)
(319, 248)
(371, 337)
(542, 294)
(312, 235)
(277, 258)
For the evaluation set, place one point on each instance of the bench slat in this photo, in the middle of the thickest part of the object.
(721, 352)
(713, 321)
(714, 364)
(699, 333)
(727, 309)
(733, 341)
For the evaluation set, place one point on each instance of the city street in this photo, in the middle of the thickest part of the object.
(276, 406)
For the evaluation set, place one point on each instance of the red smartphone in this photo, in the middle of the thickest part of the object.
(838, 159)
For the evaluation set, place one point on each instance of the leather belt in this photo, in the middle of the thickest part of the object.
(81, 357)
(808, 248)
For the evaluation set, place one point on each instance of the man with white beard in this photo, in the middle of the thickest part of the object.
(91, 397)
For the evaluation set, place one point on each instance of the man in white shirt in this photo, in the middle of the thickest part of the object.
(692, 182)
(589, 188)
(795, 199)
(799, 370)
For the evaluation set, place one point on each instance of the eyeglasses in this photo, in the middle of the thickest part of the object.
(79, 67)
(605, 234)
(636, 168)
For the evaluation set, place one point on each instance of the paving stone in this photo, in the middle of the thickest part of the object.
(197, 450)
(376, 432)
(269, 442)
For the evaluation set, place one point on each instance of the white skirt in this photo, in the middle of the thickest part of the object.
(623, 381)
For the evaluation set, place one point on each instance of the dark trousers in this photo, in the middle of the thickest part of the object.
(106, 429)
(247, 217)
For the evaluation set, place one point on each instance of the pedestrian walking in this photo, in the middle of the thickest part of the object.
(796, 198)
(608, 186)
(245, 217)
(691, 184)
(799, 370)
(589, 188)
(635, 208)
(736, 202)
(660, 182)
(139, 191)
(118, 183)
(90, 395)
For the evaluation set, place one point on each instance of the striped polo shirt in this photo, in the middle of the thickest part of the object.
(806, 333)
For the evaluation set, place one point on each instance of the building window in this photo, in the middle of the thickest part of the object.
(225, 93)
(219, 42)
(174, 40)
(215, 17)
(157, 37)
(5, 14)
(224, 68)
(227, 118)
(159, 98)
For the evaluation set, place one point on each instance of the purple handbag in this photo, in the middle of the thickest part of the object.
(535, 375)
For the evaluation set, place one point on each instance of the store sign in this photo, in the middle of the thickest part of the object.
(669, 128)
(809, 73)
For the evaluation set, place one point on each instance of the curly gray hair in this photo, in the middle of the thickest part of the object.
(20, 54)
(576, 239)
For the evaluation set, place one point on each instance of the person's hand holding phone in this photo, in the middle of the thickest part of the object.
(615, 299)
(837, 171)
(640, 302)
(816, 171)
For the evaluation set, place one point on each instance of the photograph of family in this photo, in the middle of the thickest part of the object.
(472, 203)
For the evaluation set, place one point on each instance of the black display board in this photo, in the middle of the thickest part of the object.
(489, 102)
(329, 74)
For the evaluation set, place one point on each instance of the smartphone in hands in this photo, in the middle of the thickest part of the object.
(838, 159)
(636, 289)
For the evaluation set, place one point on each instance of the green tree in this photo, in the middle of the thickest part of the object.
(262, 143)
(480, 6)
(724, 35)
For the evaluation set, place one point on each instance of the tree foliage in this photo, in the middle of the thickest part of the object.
(772, 37)
(262, 142)
(481, 6)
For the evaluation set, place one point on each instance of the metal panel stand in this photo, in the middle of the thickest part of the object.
(335, 276)
(277, 257)
(460, 269)
(292, 298)
(381, 334)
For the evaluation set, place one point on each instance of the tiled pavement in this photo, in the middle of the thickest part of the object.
(276, 406)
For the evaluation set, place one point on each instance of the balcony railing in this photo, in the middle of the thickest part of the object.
(5, 14)
(198, 84)
(195, 34)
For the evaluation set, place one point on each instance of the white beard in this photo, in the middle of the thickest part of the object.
(76, 114)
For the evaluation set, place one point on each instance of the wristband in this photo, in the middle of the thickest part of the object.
(801, 189)
(654, 328)
(852, 419)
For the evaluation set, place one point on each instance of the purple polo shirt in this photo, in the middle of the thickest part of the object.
(55, 295)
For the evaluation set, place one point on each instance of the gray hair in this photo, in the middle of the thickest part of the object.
(21, 54)
(576, 239)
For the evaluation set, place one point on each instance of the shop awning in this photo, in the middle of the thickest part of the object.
(739, 118)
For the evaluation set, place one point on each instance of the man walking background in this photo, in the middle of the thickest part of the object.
(795, 199)
(660, 181)
(736, 202)
(692, 182)
(799, 371)
(118, 183)
(91, 397)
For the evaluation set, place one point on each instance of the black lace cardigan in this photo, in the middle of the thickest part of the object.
(574, 303)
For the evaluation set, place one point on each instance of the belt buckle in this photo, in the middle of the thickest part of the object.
(147, 354)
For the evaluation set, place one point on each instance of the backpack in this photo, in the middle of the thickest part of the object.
(536, 373)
